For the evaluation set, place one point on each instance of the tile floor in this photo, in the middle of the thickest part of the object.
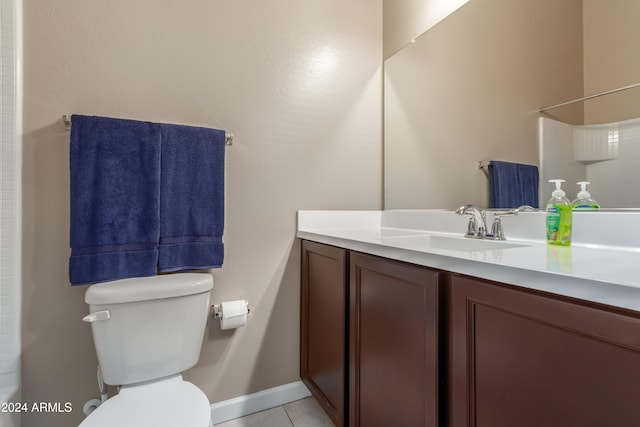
(301, 413)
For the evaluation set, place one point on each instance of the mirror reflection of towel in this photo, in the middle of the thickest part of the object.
(512, 185)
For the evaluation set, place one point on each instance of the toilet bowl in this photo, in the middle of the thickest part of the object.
(147, 331)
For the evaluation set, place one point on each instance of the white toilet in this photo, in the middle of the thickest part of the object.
(147, 331)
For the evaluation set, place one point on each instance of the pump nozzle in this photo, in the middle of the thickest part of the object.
(558, 192)
(584, 194)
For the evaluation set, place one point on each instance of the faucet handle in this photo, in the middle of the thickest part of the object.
(525, 208)
(463, 209)
(497, 232)
(471, 226)
(500, 214)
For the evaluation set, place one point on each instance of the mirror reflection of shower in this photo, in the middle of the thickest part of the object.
(607, 155)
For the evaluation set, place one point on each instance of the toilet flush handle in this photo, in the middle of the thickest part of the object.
(97, 316)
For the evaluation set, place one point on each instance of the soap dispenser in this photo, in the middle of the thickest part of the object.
(558, 216)
(584, 202)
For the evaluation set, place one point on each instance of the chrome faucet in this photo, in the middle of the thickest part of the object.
(477, 227)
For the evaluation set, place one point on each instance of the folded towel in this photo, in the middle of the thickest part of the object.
(512, 185)
(191, 198)
(115, 190)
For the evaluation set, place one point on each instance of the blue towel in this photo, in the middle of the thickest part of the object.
(512, 185)
(191, 198)
(115, 191)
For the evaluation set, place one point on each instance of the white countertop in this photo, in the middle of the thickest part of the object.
(601, 265)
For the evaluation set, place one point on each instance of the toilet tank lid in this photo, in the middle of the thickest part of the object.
(149, 288)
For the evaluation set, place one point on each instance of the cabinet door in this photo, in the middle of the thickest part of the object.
(323, 314)
(393, 357)
(527, 359)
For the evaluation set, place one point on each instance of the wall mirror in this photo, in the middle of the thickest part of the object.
(470, 89)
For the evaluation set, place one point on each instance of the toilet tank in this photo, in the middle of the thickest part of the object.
(149, 327)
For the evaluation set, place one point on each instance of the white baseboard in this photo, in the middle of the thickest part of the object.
(256, 402)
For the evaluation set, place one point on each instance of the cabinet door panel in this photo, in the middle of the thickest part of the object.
(393, 343)
(323, 327)
(525, 359)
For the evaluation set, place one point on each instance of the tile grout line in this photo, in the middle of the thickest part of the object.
(288, 416)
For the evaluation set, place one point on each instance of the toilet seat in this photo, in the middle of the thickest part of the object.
(169, 402)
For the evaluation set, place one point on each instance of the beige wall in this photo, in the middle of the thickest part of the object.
(299, 83)
(469, 89)
(404, 20)
(611, 60)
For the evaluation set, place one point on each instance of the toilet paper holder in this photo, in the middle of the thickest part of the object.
(216, 309)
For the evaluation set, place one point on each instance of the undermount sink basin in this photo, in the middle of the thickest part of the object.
(460, 244)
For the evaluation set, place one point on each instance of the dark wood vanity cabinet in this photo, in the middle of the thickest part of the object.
(527, 359)
(393, 342)
(369, 338)
(387, 343)
(323, 327)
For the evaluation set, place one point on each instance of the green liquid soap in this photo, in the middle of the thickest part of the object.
(585, 207)
(559, 217)
(559, 221)
(584, 202)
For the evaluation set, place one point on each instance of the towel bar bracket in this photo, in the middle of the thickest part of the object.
(66, 119)
(483, 165)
